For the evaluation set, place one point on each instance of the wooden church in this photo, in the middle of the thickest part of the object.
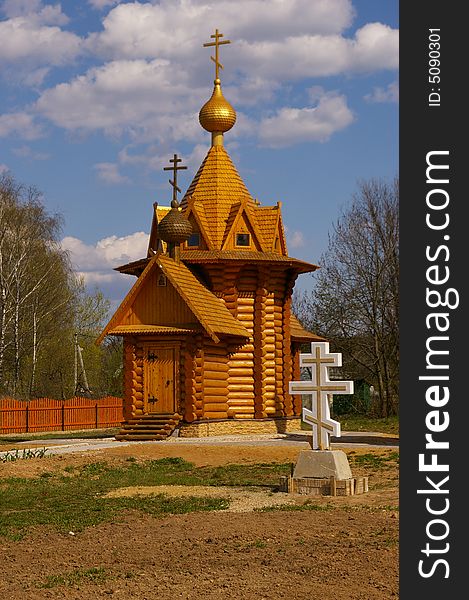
(210, 341)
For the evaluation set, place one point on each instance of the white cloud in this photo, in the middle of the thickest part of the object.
(35, 11)
(388, 94)
(270, 41)
(3, 168)
(296, 125)
(175, 27)
(142, 94)
(100, 4)
(21, 124)
(32, 35)
(109, 173)
(154, 158)
(31, 78)
(375, 47)
(295, 239)
(28, 152)
(95, 263)
(107, 253)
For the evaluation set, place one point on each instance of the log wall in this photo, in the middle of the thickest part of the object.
(241, 364)
(215, 380)
(224, 380)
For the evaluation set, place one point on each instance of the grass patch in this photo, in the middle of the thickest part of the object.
(388, 425)
(74, 500)
(375, 461)
(16, 454)
(75, 577)
(76, 497)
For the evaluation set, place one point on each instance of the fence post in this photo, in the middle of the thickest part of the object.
(63, 415)
(96, 414)
(27, 417)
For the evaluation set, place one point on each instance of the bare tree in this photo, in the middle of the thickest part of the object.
(355, 302)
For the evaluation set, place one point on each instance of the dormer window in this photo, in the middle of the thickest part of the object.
(243, 239)
(194, 241)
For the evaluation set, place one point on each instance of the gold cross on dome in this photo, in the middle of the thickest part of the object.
(217, 43)
(175, 168)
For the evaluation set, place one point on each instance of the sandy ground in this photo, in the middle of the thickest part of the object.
(349, 551)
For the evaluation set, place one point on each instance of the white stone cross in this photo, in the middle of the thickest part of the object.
(320, 387)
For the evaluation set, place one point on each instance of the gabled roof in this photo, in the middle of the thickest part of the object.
(152, 329)
(299, 334)
(247, 207)
(197, 209)
(216, 186)
(269, 220)
(209, 310)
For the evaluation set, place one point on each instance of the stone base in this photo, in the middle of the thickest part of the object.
(208, 428)
(311, 486)
(322, 464)
(323, 473)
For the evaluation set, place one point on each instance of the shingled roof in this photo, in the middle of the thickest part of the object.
(216, 186)
(209, 310)
(247, 256)
(299, 333)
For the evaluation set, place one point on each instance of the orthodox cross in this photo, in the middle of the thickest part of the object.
(319, 388)
(217, 43)
(175, 168)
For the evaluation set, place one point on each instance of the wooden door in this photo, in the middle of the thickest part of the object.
(160, 368)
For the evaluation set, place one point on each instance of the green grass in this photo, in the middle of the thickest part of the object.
(363, 423)
(74, 499)
(374, 461)
(25, 453)
(71, 578)
(88, 434)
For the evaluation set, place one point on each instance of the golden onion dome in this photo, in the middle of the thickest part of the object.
(174, 227)
(217, 115)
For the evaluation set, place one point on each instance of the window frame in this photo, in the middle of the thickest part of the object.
(243, 233)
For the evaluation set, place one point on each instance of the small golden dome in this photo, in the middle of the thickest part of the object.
(217, 115)
(174, 227)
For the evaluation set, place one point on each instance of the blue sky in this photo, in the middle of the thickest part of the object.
(96, 95)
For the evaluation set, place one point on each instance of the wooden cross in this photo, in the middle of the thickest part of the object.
(175, 160)
(217, 43)
(320, 387)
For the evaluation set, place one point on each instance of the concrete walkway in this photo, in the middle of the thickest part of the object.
(298, 439)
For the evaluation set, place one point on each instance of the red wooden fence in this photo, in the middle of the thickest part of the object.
(45, 414)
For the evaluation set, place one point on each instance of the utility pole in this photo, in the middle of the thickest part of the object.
(81, 381)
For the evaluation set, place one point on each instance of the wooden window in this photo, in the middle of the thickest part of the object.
(243, 239)
(161, 282)
(194, 241)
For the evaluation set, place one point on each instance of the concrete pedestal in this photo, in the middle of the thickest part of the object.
(322, 464)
